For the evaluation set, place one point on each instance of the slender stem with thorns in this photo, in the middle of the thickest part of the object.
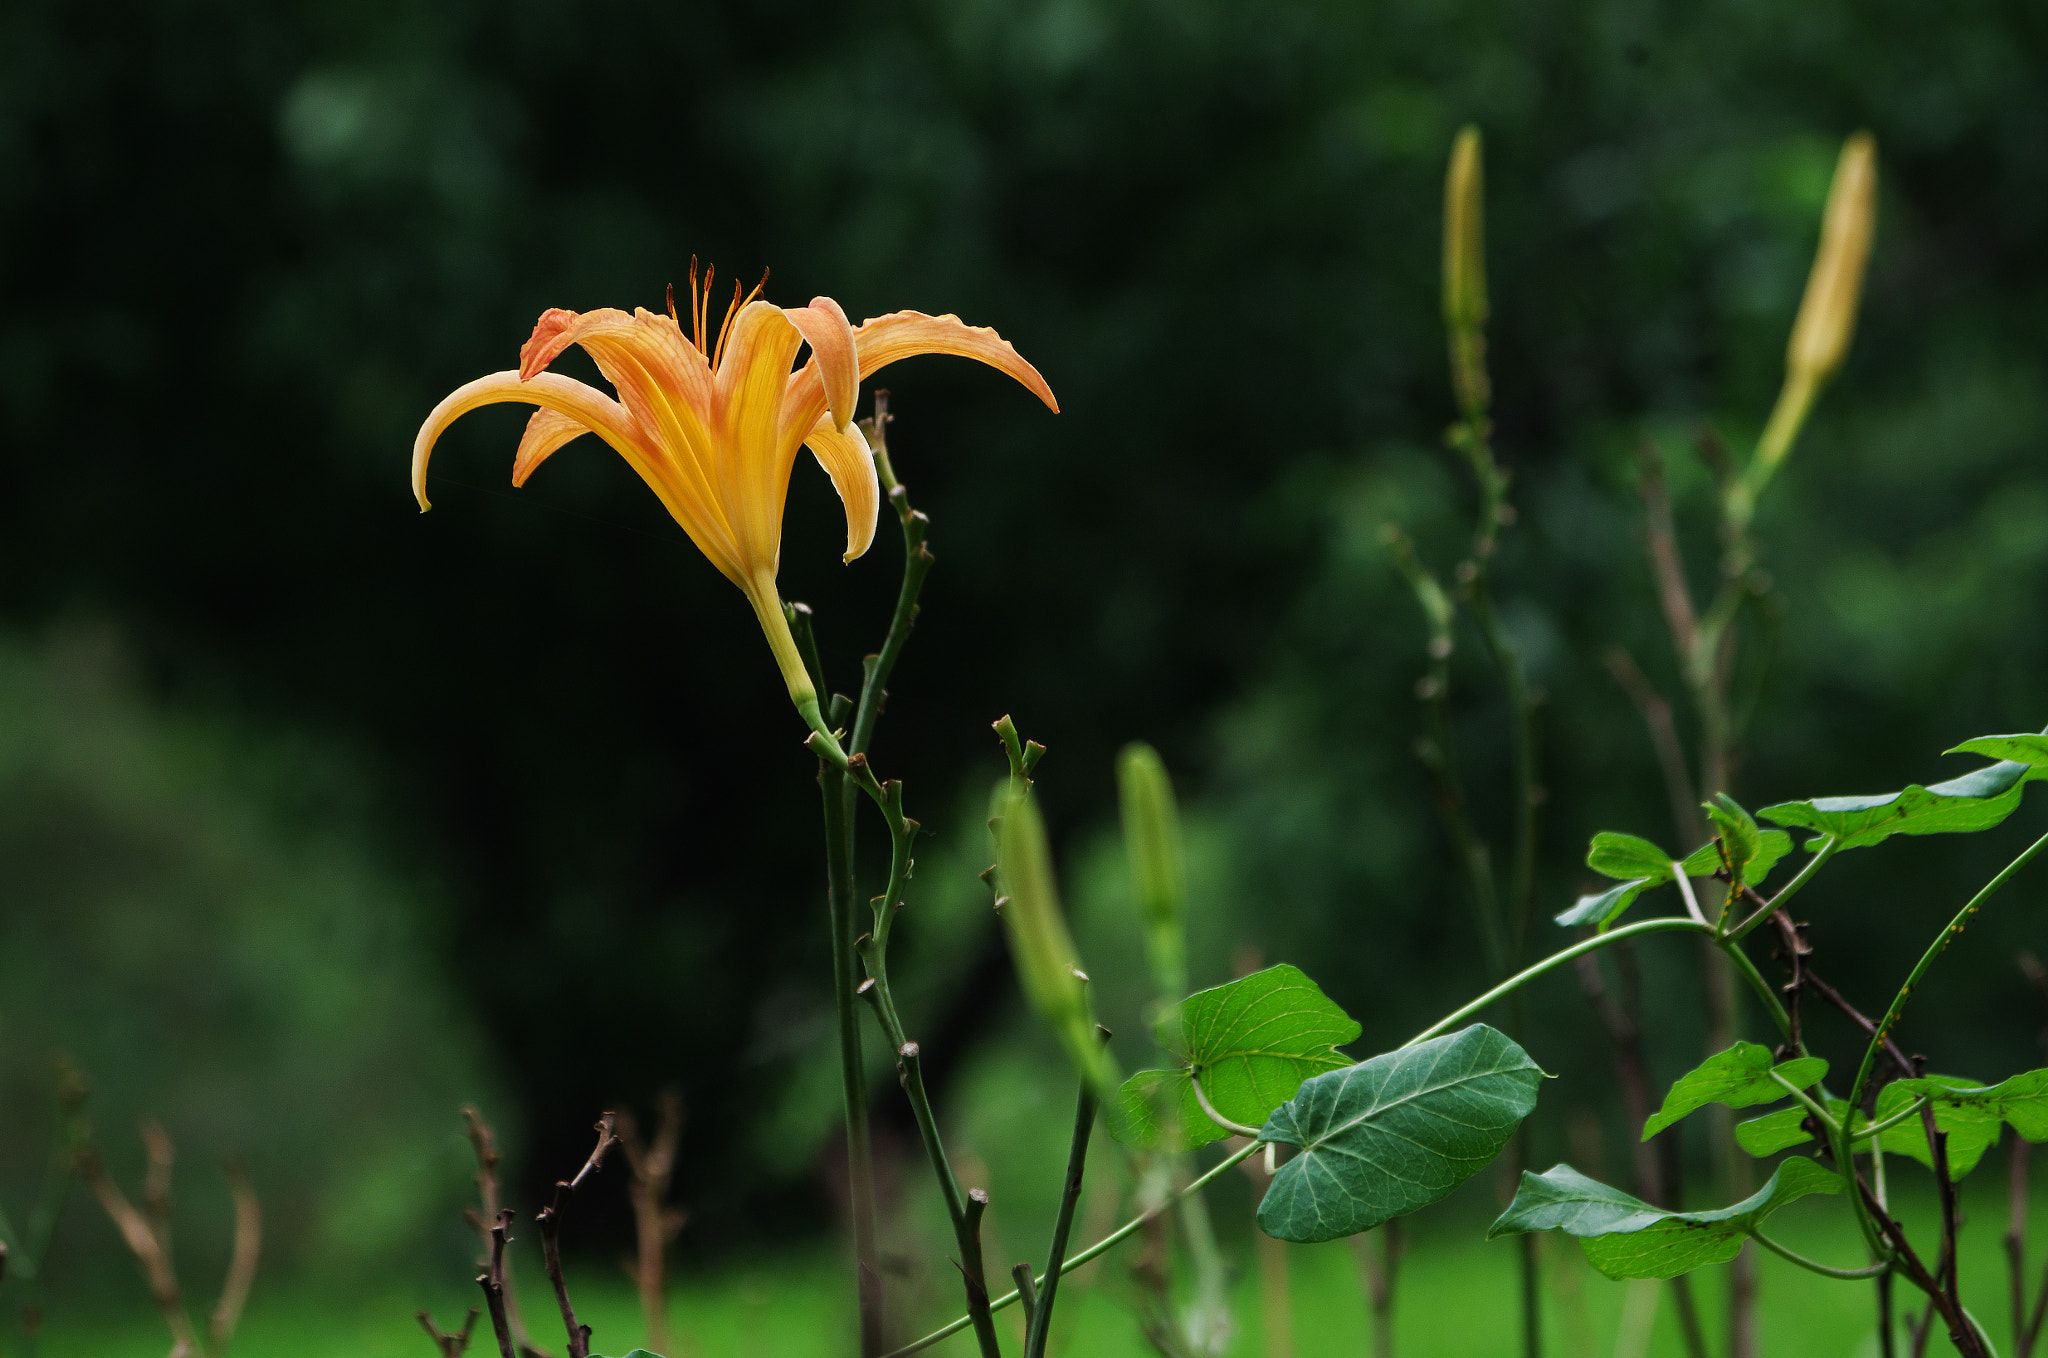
(492, 1281)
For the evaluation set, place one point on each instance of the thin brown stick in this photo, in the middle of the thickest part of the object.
(1660, 541)
(1381, 1268)
(2016, 1241)
(492, 1281)
(550, 1223)
(485, 1142)
(247, 1252)
(138, 1233)
(451, 1345)
(1655, 711)
(655, 1222)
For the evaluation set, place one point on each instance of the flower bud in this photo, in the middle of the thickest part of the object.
(1158, 866)
(1827, 314)
(1465, 272)
(1043, 950)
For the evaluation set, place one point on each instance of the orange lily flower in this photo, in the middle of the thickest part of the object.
(714, 428)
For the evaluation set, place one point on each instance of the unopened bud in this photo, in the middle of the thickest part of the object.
(1465, 272)
(1152, 839)
(1827, 314)
(1041, 947)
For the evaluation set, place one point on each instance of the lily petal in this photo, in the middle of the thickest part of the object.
(547, 431)
(904, 334)
(599, 414)
(845, 456)
(756, 450)
(825, 328)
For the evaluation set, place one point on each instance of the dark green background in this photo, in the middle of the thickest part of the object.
(244, 249)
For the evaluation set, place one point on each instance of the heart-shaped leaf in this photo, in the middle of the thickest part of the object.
(2021, 1101)
(1251, 1043)
(1398, 1132)
(1625, 1237)
(1607, 907)
(1739, 1077)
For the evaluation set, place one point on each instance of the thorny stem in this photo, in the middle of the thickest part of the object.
(917, 563)
(1934, 950)
(550, 1223)
(1070, 1197)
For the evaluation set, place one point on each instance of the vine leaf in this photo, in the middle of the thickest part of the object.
(1251, 1043)
(2021, 1101)
(1975, 801)
(1972, 1124)
(2031, 750)
(1625, 1237)
(1643, 865)
(1397, 1132)
(1739, 1077)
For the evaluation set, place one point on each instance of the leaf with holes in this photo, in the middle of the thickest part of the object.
(1398, 1132)
(1975, 801)
(1625, 1237)
(1251, 1043)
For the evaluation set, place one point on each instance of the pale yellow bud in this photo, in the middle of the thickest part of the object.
(1043, 950)
(1465, 272)
(1827, 315)
(1152, 838)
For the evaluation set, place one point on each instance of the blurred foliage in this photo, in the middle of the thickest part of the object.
(245, 248)
(188, 923)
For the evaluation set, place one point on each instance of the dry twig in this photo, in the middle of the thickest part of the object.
(656, 1223)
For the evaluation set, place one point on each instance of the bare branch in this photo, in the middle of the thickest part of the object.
(550, 1223)
(141, 1238)
(248, 1250)
(451, 1345)
(656, 1223)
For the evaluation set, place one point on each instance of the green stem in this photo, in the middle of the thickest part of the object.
(852, 1072)
(1825, 1270)
(1790, 889)
(1934, 950)
(1878, 1128)
(1070, 1197)
(1100, 1247)
(1821, 1115)
(1554, 961)
(917, 563)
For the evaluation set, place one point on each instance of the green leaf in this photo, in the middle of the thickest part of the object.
(1618, 855)
(1625, 1237)
(2021, 1101)
(1741, 841)
(638, 1353)
(1972, 1128)
(1251, 1043)
(2021, 749)
(1975, 801)
(1739, 1077)
(1605, 908)
(1645, 865)
(1398, 1132)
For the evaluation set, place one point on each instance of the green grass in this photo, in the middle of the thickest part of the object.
(1457, 1298)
